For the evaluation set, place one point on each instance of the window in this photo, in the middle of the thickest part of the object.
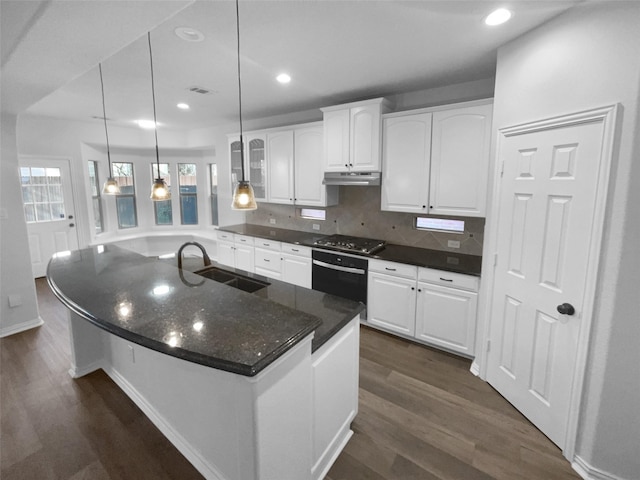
(439, 224)
(94, 186)
(188, 193)
(214, 193)
(42, 194)
(126, 200)
(162, 209)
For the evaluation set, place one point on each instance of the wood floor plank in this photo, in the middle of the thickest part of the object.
(422, 416)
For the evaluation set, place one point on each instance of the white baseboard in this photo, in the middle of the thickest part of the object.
(588, 472)
(475, 368)
(21, 327)
(76, 372)
(192, 455)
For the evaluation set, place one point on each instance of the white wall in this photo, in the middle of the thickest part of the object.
(15, 260)
(587, 58)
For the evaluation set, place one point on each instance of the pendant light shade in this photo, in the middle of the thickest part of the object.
(159, 189)
(110, 187)
(243, 195)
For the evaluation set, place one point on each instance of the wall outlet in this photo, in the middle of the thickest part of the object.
(272, 221)
(453, 243)
(316, 226)
(15, 300)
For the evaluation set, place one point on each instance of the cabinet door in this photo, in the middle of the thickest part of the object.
(365, 127)
(446, 317)
(235, 161)
(308, 167)
(460, 161)
(268, 263)
(280, 158)
(406, 161)
(391, 303)
(296, 270)
(257, 164)
(226, 254)
(336, 140)
(244, 258)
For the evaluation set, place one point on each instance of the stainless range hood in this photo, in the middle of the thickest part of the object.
(364, 179)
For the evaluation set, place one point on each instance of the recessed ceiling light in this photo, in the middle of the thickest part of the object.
(189, 34)
(498, 17)
(283, 78)
(146, 124)
(183, 106)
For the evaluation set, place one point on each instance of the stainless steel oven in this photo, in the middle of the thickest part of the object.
(339, 274)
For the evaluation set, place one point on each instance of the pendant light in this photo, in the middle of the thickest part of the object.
(243, 196)
(159, 189)
(110, 187)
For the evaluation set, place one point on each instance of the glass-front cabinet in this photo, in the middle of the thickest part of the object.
(255, 163)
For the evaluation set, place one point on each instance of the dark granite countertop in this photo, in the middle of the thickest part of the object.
(422, 257)
(277, 234)
(179, 313)
(438, 259)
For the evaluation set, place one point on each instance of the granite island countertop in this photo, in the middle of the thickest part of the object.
(179, 313)
(421, 257)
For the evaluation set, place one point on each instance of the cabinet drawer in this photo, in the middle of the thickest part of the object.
(267, 260)
(243, 239)
(393, 268)
(449, 279)
(267, 244)
(296, 250)
(220, 235)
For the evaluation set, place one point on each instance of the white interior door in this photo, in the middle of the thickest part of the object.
(551, 198)
(47, 197)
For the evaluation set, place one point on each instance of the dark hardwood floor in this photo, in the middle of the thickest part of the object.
(422, 416)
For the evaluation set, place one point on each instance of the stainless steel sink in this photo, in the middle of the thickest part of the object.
(234, 280)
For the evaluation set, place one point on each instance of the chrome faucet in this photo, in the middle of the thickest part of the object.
(207, 260)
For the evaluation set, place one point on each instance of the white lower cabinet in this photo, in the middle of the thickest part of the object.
(268, 259)
(296, 265)
(432, 306)
(236, 251)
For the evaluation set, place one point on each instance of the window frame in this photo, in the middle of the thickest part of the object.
(157, 204)
(96, 200)
(185, 195)
(213, 195)
(124, 196)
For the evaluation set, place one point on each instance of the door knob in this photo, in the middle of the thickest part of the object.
(566, 309)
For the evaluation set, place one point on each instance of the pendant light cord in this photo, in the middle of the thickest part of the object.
(104, 117)
(240, 90)
(153, 96)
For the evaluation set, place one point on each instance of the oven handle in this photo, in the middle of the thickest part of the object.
(358, 271)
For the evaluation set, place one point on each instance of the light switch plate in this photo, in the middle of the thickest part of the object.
(272, 221)
(316, 226)
(453, 243)
(15, 300)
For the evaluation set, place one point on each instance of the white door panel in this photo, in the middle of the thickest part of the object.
(545, 234)
(47, 196)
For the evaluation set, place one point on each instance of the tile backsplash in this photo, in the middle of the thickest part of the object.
(359, 214)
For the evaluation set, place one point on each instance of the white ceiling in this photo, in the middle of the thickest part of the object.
(336, 51)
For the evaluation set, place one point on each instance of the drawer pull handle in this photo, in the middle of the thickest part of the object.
(266, 244)
(390, 269)
(446, 279)
(267, 260)
(295, 250)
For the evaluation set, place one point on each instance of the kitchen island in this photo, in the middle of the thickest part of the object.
(237, 381)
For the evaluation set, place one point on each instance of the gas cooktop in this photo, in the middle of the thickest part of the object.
(345, 243)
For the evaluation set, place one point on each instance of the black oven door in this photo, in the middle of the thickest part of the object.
(340, 275)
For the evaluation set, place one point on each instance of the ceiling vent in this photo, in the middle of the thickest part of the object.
(200, 90)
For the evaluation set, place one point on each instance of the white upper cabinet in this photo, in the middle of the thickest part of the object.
(308, 169)
(255, 164)
(280, 171)
(405, 163)
(352, 135)
(460, 148)
(437, 160)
